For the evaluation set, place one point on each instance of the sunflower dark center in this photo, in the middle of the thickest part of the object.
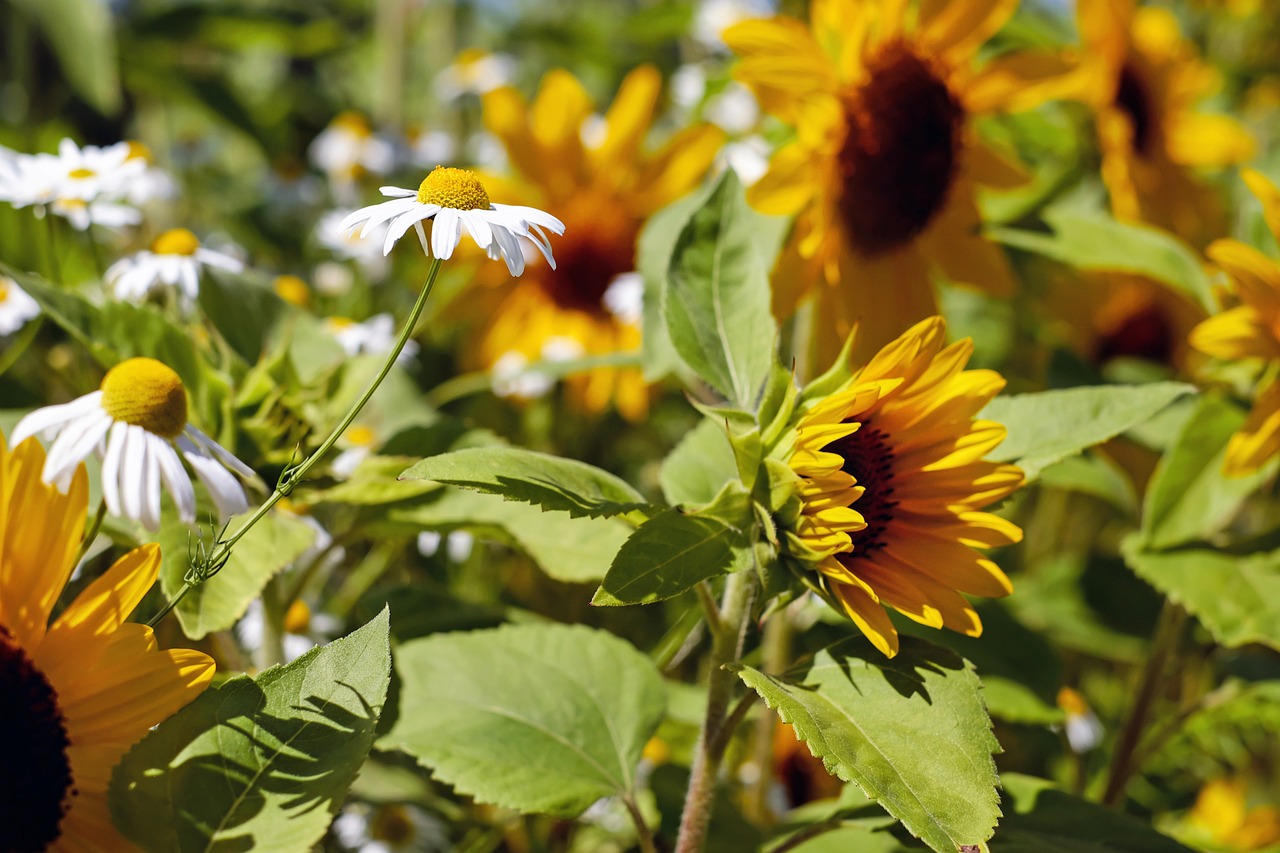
(598, 245)
(900, 152)
(1146, 334)
(35, 773)
(1134, 100)
(868, 456)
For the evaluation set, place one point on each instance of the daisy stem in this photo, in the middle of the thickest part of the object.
(91, 532)
(726, 647)
(294, 475)
(55, 266)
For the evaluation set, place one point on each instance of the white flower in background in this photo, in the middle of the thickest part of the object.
(487, 151)
(1083, 729)
(624, 298)
(688, 85)
(304, 629)
(333, 278)
(430, 148)
(174, 260)
(715, 16)
(734, 109)
(374, 336)
(348, 149)
(74, 178)
(136, 423)
(594, 131)
(342, 243)
(513, 377)
(96, 173)
(458, 544)
(81, 214)
(452, 199)
(153, 183)
(474, 72)
(16, 306)
(748, 157)
(359, 442)
(389, 828)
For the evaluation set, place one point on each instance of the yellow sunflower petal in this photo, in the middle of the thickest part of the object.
(788, 185)
(1258, 441)
(1257, 277)
(628, 119)
(871, 619)
(105, 604)
(956, 244)
(556, 117)
(1021, 81)
(1234, 334)
(900, 591)
(506, 116)
(678, 166)
(946, 562)
(782, 62)
(1196, 139)
(1265, 191)
(959, 29)
(994, 169)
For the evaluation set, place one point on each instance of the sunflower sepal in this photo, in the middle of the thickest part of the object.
(777, 405)
(835, 377)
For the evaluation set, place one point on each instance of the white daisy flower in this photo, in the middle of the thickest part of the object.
(716, 16)
(304, 629)
(458, 544)
(474, 72)
(1082, 727)
(16, 306)
(426, 148)
(81, 214)
(454, 198)
(74, 174)
(360, 441)
(734, 109)
(624, 298)
(175, 260)
(748, 157)
(342, 243)
(513, 376)
(136, 423)
(389, 828)
(374, 336)
(348, 149)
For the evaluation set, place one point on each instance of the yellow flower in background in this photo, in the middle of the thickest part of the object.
(885, 163)
(1221, 812)
(1251, 330)
(600, 179)
(76, 694)
(1144, 80)
(893, 484)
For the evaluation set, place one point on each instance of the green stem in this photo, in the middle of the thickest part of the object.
(290, 479)
(643, 834)
(775, 654)
(54, 264)
(91, 532)
(726, 647)
(95, 252)
(1168, 632)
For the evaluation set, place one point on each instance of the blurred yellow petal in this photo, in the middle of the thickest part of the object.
(1265, 191)
(958, 29)
(1258, 441)
(1021, 81)
(1197, 139)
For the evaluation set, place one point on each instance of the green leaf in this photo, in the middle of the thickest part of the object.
(1096, 476)
(1049, 426)
(1188, 498)
(538, 718)
(576, 550)
(912, 732)
(717, 300)
(667, 555)
(82, 37)
(1094, 241)
(1042, 819)
(215, 605)
(258, 763)
(699, 466)
(1236, 597)
(243, 310)
(536, 478)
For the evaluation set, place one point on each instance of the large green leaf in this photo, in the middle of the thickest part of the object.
(538, 718)
(717, 298)
(911, 732)
(258, 763)
(1049, 426)
(668, 554)
(699, 466)
(568, 549)
(215, 605)
(536, 478)
(1091, 240)
(1188, 498)
(1236, 597)
(83, 38)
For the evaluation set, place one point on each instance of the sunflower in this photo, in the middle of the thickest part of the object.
(77, 693)
(1144, 79)
(892, 484)
(1250, 331)
(598, 178)
(883, 170)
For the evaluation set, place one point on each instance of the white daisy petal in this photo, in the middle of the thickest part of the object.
(112, 460)
(445, 233)
(176, 481)
(397, 192)
(42, 421)
(227, 494)
(396, 229)
(132, 469)
(150, 504)
(217, 451)
(72, 446)
(478, 227)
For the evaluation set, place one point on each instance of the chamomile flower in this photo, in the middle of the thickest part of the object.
(346, 246)
(374, 336)
(474, 72)
(454, 198)
(136, 423)
(348, 149)
(16, 307)
(175, 259)
(81, 214)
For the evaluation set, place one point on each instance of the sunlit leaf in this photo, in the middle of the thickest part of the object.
(668, 554)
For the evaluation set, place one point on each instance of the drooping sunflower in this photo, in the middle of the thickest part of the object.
(1250, 331)
(893, 484)
(1144, 80)
(77, 693)
(600, 179)
(883, 170)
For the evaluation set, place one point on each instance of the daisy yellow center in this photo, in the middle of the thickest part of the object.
(297, 619)
(901, 149)
(352, 123)
(146, 393)
(139, 151)
(360, 436)
(33, 748)
(392, 825)
(459, 189)
(868, 458)
(175, 241)
(4, 291)
(81, 173)
(293, 290)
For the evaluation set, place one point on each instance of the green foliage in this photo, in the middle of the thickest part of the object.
(83, 38)
(668, 554)
(536, 478)
(699, 466)
(219, 602)
(717, 300)
(1049, 426)
(539, 718)
(911, 732)
(258, 763)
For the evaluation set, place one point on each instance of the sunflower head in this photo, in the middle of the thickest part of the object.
(146, 393)
(890, 484)
(459, 189)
